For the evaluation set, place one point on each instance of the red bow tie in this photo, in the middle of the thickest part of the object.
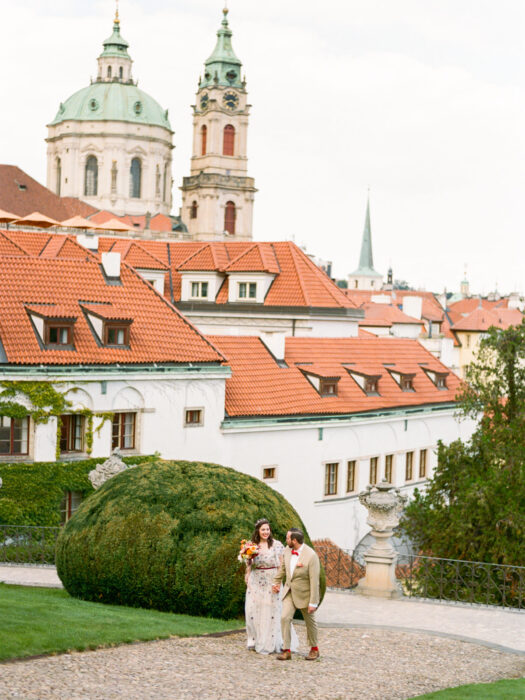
(294, 552)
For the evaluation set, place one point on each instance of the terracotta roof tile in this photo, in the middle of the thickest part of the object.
(159, 333)
(259, 386)
(483, 319)
(385, 314)
(21, 194)
(259, 258)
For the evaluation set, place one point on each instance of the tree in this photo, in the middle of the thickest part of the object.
(474, 505)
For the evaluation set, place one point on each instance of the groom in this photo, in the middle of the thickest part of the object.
(300, 573)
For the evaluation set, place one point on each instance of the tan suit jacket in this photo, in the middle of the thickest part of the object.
(304, 584)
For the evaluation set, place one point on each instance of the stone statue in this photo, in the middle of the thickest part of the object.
(113, 465)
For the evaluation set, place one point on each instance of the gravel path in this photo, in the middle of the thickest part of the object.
(355, 663)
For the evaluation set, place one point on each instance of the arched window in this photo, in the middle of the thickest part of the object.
(204, 136)
(121, 72)
(135, 173)
(91, 177)
(193, 210)
(109, 71)
(59, 176)
(228, 140)
(229, 218)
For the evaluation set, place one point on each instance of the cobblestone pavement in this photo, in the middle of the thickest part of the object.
(355, 663)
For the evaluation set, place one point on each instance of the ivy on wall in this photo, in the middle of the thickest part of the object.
(31, 494)
(45, 401)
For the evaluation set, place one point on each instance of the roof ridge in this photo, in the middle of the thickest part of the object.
(186, 260)
(293, 252)
(17, 245)
(241, 255)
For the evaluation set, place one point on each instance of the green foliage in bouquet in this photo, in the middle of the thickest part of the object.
(166, 535)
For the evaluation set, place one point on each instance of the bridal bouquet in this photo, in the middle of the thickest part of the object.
(249, 550)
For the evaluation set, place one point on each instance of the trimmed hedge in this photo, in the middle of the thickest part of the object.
(31, 494)
(166, 535)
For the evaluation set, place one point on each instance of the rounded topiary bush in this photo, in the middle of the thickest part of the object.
(166, 535)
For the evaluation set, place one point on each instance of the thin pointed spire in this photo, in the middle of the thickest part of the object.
(366, 258)
(116, 20)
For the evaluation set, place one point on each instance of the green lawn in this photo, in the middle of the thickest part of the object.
(48, 620)
(500, 690)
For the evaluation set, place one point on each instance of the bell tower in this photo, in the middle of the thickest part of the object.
(217, 197)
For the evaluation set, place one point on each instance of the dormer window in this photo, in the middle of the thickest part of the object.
(199, 290)
(58, 334)
(438, 378)
(247, 290)
(116, 334)
(328, 387)
(404, 380)
(369, 383)
(325, 386)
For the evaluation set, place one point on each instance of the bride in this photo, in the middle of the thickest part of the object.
(262, 606)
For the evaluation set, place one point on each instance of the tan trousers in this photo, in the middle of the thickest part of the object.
(287, 614)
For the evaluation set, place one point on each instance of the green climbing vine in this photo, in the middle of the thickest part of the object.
(45, 401)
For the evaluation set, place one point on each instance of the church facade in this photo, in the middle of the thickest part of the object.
(110, 145)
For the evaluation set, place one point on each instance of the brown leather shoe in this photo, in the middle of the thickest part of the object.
(313, 655)
(284, 656)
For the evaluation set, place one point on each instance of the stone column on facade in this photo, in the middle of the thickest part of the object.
(385, 505)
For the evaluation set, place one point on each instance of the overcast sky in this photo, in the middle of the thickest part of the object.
(423, 101)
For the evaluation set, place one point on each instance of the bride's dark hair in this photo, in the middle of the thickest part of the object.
(256, 537)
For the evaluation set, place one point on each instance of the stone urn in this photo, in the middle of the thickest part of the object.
(385, 505)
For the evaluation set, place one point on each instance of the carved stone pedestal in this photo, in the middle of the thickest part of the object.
(384, 505)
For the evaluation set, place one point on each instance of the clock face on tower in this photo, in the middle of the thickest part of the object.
(230, 100)
(204, 101)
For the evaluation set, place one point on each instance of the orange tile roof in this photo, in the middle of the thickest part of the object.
(159, 333)
(10, 247)
(465, 306)
(22, 194)
(135, 255)
(260, 387)
(208, 258)
(385, 315)
(483, 319)
(259, 258)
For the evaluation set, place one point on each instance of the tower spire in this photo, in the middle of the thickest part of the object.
(116, 20)
(223, 67)
(366, 259)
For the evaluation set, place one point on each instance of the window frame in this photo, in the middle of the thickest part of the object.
(269, 468)
(372, 470)
(116, 326)
(69, 505)
(351, 470)
(201, 285)
(324, 383)
(230, 217)
(228, 140)
(12, 428)
(423, 463)
(50, 325)
(389, 467)
(331, 478)
(194, 423)
(248, 287)
(409, 465)
(118, 439)
(69, 435)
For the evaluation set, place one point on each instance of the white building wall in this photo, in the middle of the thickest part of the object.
(301, 453)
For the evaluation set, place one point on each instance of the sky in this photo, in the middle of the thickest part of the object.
(422, 102)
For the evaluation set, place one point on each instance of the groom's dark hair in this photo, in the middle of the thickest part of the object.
(296, 534)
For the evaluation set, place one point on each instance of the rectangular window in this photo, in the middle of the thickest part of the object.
(247, 290)
(117, 335)
(389, 468)
(194, 416)
(373, 470)
(409, 464)
(371, 384)
(350, 476)
(199, 290)
(269, 472)
(328, 387)
(72, 433)
(406, 383)
(330, 479)
(422, 464)
(123, 431)
(441, 381)
(70, 503)
(14, 435)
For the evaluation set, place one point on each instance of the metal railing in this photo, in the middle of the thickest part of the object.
(422, 576)
(25, 544)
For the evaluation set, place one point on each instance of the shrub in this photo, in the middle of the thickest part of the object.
(166, 535)
(31, 494)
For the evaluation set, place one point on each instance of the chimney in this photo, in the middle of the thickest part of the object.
(111, 265)
(88, 240)
(412, 306)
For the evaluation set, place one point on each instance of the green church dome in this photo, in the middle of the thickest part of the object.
(115, 101)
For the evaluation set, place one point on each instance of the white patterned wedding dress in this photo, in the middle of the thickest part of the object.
(262, 606)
